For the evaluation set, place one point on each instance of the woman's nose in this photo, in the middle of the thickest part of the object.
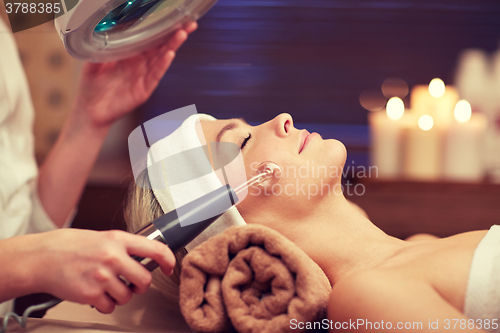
(283, 124)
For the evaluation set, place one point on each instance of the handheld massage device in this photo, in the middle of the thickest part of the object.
(168, 229)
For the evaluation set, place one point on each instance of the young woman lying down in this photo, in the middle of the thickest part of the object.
(454, 281)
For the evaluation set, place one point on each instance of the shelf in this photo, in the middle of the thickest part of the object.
(404, 208)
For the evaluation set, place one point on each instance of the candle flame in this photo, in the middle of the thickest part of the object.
(395, 108)
(425, 122)
(463, 111)
(437, 88)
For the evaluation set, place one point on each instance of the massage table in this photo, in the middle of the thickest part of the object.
(149, 312)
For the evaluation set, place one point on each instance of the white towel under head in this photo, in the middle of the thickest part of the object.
(188, 136)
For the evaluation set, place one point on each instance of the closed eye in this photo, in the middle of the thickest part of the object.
(245, 141)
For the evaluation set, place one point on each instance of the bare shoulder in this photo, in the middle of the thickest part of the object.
(362, 292)
(383, 296)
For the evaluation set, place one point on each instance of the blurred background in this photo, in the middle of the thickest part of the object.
(314, 59)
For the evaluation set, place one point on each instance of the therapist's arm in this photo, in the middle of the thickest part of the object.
(82, 266)
(106, 93)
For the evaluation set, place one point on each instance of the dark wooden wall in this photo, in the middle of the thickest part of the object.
(402, 209)
(313, 58)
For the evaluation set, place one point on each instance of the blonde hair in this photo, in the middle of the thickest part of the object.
(140, 209)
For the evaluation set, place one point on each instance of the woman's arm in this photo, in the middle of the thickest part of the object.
(379, 301)
(107, 92)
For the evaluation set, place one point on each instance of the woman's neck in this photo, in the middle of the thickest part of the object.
(341, 240)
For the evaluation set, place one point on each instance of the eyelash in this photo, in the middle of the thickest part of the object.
(246, 140)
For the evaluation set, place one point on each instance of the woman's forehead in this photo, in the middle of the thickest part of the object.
(211, 128)
(214, 129)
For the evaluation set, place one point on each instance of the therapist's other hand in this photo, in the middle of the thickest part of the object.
(84, 266)
(110, 90)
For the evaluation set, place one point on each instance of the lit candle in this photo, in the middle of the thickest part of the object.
(422, 158)
(436, 100)
(386, 129)
(464, 150)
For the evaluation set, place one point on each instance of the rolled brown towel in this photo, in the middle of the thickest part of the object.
(253, 279)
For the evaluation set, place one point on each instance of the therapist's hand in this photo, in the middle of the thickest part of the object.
(110, 90)
(107, 92)
(84, 266)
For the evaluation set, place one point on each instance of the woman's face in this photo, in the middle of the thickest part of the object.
(311, 166)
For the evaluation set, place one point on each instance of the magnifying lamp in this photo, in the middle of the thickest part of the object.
(100, 31)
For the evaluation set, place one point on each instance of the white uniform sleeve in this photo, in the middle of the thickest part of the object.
(20, 208)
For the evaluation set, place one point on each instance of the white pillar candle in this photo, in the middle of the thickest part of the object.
(479, 85)
(494, 124)
(386, 131)
(465, 145)
(422, 158)
(436, 100)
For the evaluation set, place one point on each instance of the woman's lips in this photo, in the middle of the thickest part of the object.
(305, 139)
(303, 136)
(309, 138)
